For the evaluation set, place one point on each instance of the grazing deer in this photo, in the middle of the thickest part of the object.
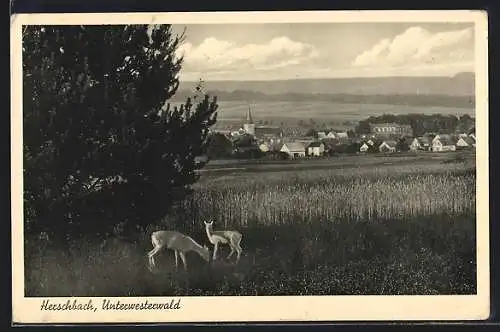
(177, 242)
(232, 238)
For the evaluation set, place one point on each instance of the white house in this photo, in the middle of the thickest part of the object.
(331, 135)
(440, 136)
(443, 143)
(466, 142)
(420, 143)
(370, 142)
(294, 149)
(342, 135)
(364, 147)
(387, 146)
(316, 149)
(321, 134)
(415, 145)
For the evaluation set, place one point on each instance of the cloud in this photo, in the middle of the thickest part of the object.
(417, 46)
(214, 55)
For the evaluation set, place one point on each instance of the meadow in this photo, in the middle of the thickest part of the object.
(365, 228)
(321, 111)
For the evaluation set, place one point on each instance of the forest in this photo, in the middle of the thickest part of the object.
(437, 123)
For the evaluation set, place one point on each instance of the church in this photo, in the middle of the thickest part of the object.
(260, 132)
(249, 126)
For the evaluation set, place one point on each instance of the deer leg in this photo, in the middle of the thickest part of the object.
(151, 255)
(149, 259)
(231, 253)
(183, 257)
(176, 259)
(239, 250)
(216, 246)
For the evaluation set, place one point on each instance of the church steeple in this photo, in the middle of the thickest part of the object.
(249, 116)
(249, 126)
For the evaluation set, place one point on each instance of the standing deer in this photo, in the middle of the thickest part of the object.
(177, 242)
(231, 238)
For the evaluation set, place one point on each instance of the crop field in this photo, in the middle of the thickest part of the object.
(293, 111)
(404, 225)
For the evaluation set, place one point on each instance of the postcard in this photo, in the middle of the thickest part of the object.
(250, 167)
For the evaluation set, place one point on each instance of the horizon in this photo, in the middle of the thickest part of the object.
(328, 78)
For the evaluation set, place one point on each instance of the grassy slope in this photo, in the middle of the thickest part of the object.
(397, 252)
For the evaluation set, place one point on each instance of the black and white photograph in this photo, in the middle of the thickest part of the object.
(233, 161)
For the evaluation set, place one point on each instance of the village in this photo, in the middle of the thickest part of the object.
(252, 140)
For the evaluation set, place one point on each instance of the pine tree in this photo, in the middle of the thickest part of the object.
(101, 146)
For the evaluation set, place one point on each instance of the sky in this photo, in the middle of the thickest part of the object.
(274, 51)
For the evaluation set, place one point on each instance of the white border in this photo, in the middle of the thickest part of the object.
(270, 308)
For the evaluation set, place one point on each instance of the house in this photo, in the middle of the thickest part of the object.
(421, 143)
(466, 142)
(316, 149)
(331, 135)
(441, 136)
(294, 149)
(364, 147)
(342, 135)
(321, 134)
(370, 142)
(391, 129)
(387, 146)
(442, 143)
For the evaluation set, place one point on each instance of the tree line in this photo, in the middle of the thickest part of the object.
(421, 123)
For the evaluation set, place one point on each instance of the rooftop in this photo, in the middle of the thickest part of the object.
(295, 146)
(315, 144)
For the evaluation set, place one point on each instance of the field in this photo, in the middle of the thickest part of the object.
(402, 224)
(320, 111)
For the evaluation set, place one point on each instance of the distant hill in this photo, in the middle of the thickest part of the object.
(251, 97)
(459, 85)
(457, 92)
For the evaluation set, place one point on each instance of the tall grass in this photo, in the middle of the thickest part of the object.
(329, 196)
